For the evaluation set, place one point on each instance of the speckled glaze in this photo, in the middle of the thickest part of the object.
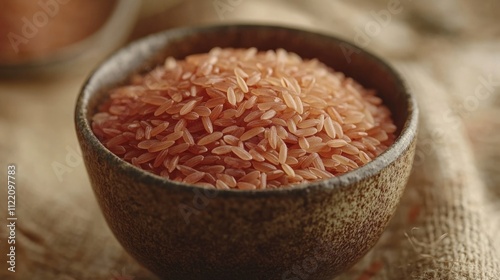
(312, 231)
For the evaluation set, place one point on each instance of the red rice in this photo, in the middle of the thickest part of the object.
(242, 119)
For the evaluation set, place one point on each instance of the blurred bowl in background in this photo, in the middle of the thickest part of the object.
(49, 36)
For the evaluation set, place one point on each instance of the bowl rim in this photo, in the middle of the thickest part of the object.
(402, 142)
(123, 10)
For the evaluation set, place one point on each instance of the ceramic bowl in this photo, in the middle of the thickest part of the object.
(312, 231)
(67, 42)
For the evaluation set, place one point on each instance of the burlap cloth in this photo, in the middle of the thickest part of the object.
(447, 224)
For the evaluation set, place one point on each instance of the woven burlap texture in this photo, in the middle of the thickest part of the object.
(447, 224)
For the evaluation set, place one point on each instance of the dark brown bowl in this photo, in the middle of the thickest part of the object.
(312, 231)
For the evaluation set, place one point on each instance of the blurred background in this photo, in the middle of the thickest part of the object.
(448, 51)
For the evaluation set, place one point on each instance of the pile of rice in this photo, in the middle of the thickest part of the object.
(243, 119)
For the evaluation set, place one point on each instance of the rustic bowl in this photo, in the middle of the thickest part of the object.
(312, 231)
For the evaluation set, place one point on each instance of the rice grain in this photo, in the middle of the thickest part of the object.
(244, 119)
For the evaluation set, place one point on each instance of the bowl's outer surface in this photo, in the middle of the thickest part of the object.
(307, 232)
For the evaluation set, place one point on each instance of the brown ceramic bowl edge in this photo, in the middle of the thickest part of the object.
(82, 122)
